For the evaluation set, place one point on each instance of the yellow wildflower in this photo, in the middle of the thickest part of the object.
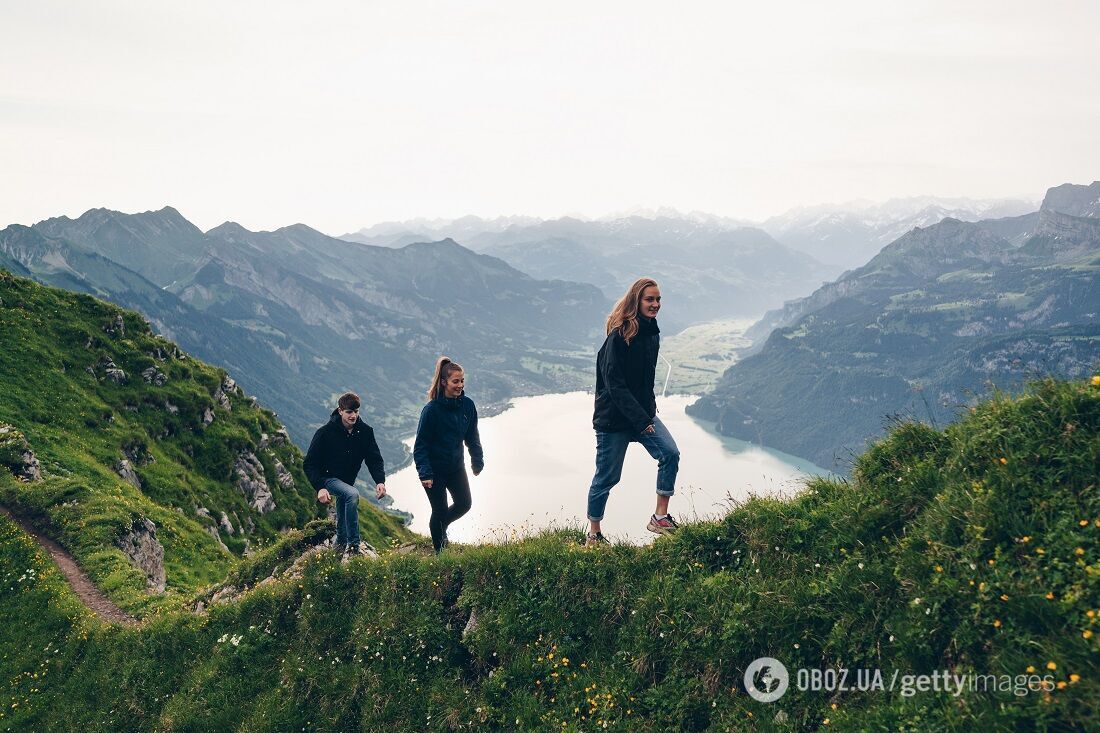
(1003, 460)
(1079, 551)
(1030, 668)
(1075, 677)
(1052, 665)
(1087, 633)
(997, 623)
(1096, 380)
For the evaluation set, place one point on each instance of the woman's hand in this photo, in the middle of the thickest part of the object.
(426, 483)
(323, 496)
(380, 491)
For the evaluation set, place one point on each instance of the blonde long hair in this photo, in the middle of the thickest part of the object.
(624, 316)
(444, 368)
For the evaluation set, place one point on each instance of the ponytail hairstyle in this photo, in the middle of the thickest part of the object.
(444, 368)
(624, 316)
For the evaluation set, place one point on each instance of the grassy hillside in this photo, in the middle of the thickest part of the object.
(975, 550)
(95, 395)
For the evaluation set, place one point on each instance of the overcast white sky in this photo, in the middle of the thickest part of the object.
(340, 115)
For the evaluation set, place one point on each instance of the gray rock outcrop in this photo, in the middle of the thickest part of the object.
(115, 328)
(225, 524)
(112, 370)
(281, 437)
(221, 394)
(154, 376)
(141, 547)
(283, 476)
(213, 532)
(128, 474)
(16, 455)
(252, 482)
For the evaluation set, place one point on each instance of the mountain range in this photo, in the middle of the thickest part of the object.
(846, 236)
(709, 268)
(836, 237)
(302, 317)
(927, 325)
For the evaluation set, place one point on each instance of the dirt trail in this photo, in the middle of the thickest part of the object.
(81, 584)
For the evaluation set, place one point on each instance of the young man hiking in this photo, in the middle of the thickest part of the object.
(338, 449)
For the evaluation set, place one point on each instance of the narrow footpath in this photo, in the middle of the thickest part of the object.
(78, 580)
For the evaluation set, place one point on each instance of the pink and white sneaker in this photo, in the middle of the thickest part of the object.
(662, 526)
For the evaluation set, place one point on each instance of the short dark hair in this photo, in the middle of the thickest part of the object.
(349, 401)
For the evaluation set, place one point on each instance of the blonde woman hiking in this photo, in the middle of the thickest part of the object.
(626, 408)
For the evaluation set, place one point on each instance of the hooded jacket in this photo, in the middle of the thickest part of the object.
(445, 424)
(336, 453)
(624, 380)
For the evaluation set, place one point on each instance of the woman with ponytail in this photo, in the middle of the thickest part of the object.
(446, 422)
(626, 409)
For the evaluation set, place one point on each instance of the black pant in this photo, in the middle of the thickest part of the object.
(442, 515)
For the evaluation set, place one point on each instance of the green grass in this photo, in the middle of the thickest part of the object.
(927, 559)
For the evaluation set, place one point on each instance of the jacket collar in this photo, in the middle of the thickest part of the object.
(451, 403)
(647, 326)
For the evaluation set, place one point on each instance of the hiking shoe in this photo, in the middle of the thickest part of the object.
(595, 540)
(361, 550)
(662, 526)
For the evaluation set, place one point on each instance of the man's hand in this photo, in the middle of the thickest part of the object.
(380, 491)
(650, 429)
(323, 496)
(426, 483)
(477, 471)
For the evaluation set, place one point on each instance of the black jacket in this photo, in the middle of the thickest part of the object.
(336, 453)
(624, 380)
(445, 423)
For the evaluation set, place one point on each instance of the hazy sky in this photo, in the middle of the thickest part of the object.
(340, 115)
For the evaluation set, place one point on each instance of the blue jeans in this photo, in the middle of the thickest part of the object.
(611, 452)
(347, 511)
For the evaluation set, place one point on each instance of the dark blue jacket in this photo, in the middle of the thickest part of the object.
(336, 453)
(445, 423)
(624, 380)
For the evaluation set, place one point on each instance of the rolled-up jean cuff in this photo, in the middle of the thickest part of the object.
(666, 492)
(595, 519)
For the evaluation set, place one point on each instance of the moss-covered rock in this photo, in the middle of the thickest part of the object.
(16, 455)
